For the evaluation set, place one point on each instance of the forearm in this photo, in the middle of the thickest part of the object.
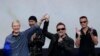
(77, 43)
(40, 22)
(29, 32)
(45, 30)
(67, 46)
(45, 27)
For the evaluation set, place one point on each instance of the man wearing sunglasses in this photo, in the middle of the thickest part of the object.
(61, 44)
(86, 38)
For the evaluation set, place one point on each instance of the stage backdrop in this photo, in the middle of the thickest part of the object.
(67, 11)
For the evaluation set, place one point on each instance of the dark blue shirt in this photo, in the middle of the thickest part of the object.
(18, 45)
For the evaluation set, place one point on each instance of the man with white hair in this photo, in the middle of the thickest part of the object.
(16, 42)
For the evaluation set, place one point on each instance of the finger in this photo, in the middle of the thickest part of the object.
(76, 29)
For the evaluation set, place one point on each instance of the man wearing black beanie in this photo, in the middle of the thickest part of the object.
(36, 40)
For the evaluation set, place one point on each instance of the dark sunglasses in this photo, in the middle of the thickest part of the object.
(60, 29)
(83, 22)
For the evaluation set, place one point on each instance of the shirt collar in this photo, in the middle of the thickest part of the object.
(15, 35)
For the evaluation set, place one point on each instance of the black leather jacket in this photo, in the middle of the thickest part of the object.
(64, 48)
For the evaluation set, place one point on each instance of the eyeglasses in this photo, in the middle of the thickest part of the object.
(83, 22)
(60, 29)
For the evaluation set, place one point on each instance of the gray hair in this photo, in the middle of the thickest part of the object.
(15, 21)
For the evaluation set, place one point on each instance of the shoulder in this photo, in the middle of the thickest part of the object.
(9, 37)
(92, 30)
(70, 39)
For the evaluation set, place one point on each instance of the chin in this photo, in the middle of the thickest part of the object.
(16, 31)
(83, 27)
(61, 34)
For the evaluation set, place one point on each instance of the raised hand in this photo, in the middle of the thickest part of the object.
(60, 39)
(45, 17)
(91, 32)
(33, 37)
(78, 32)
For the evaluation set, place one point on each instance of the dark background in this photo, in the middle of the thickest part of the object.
(74, 54)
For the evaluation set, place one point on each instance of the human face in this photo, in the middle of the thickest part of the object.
(16, 27)
(83, 22)
(61, 30)
(31, 23)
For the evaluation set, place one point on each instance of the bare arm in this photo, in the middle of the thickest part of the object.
(78, 34)
(77, 42)
(94, 36)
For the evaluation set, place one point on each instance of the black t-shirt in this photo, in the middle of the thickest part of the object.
(86, 43)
